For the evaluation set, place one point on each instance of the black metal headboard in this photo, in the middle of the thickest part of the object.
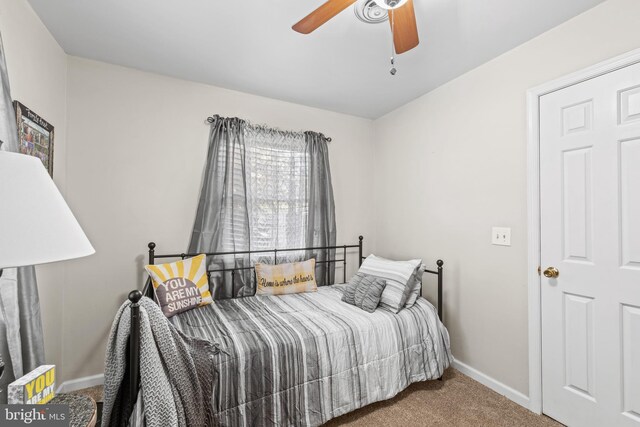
(148, 288)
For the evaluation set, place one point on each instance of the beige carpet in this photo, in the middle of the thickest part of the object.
(457, 401)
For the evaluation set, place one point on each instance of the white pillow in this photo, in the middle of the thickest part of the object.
(399, 275)
(415, 284)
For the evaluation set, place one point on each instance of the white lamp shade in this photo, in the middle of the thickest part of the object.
(36, 225)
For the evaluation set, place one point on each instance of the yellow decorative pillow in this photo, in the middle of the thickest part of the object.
(291, 278)
(181, 285)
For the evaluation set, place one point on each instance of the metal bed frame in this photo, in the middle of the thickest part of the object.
(148, 291)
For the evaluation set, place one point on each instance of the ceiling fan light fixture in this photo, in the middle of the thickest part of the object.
(390, 4)
(402, 22)
(369, 12)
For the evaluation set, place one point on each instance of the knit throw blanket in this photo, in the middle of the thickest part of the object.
(176, 372)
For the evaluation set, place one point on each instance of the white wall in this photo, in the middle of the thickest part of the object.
(37, 68)
(452, 164)
(137, 146)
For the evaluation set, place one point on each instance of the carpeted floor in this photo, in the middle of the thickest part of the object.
(457, 401)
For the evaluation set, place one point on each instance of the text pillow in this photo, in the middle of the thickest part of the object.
(399, 276)
(293, 278)
(181, 285)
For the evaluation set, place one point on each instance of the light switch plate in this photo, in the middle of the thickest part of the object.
(501, 236)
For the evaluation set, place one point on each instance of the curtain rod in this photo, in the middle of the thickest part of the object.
(210, 120)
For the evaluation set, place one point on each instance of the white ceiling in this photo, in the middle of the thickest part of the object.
(248, 45)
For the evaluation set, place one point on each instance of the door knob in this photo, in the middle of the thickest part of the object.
(551, 272)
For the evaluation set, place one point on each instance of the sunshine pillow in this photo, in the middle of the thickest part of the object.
(181, 285)
(293, 278)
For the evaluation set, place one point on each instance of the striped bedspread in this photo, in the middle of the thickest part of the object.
(300, 360)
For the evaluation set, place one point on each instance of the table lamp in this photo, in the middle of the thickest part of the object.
(36, 225)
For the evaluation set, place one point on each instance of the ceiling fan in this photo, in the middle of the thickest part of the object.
(402, 18)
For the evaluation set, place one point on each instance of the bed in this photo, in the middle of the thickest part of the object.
(306, 358)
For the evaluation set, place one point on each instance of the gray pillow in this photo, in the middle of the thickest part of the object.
(364, 291)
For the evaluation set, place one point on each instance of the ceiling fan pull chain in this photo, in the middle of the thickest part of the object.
(393, 69)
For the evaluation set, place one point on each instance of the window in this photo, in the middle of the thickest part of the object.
(276, 188)
(274, 196)
(263, 189)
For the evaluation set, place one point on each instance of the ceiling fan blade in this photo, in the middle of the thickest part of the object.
(321, 15)
(405, 30)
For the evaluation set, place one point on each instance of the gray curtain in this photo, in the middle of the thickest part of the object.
(243, 179)
(222, 218)
(21, 340)
(321, 221)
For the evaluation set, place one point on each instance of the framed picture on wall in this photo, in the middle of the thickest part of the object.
(35, 135)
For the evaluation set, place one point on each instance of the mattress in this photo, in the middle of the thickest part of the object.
(306, 358)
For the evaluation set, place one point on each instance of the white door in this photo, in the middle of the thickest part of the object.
(590, 232)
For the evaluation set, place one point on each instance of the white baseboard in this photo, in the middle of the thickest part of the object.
(80, 383)
(492, 383)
